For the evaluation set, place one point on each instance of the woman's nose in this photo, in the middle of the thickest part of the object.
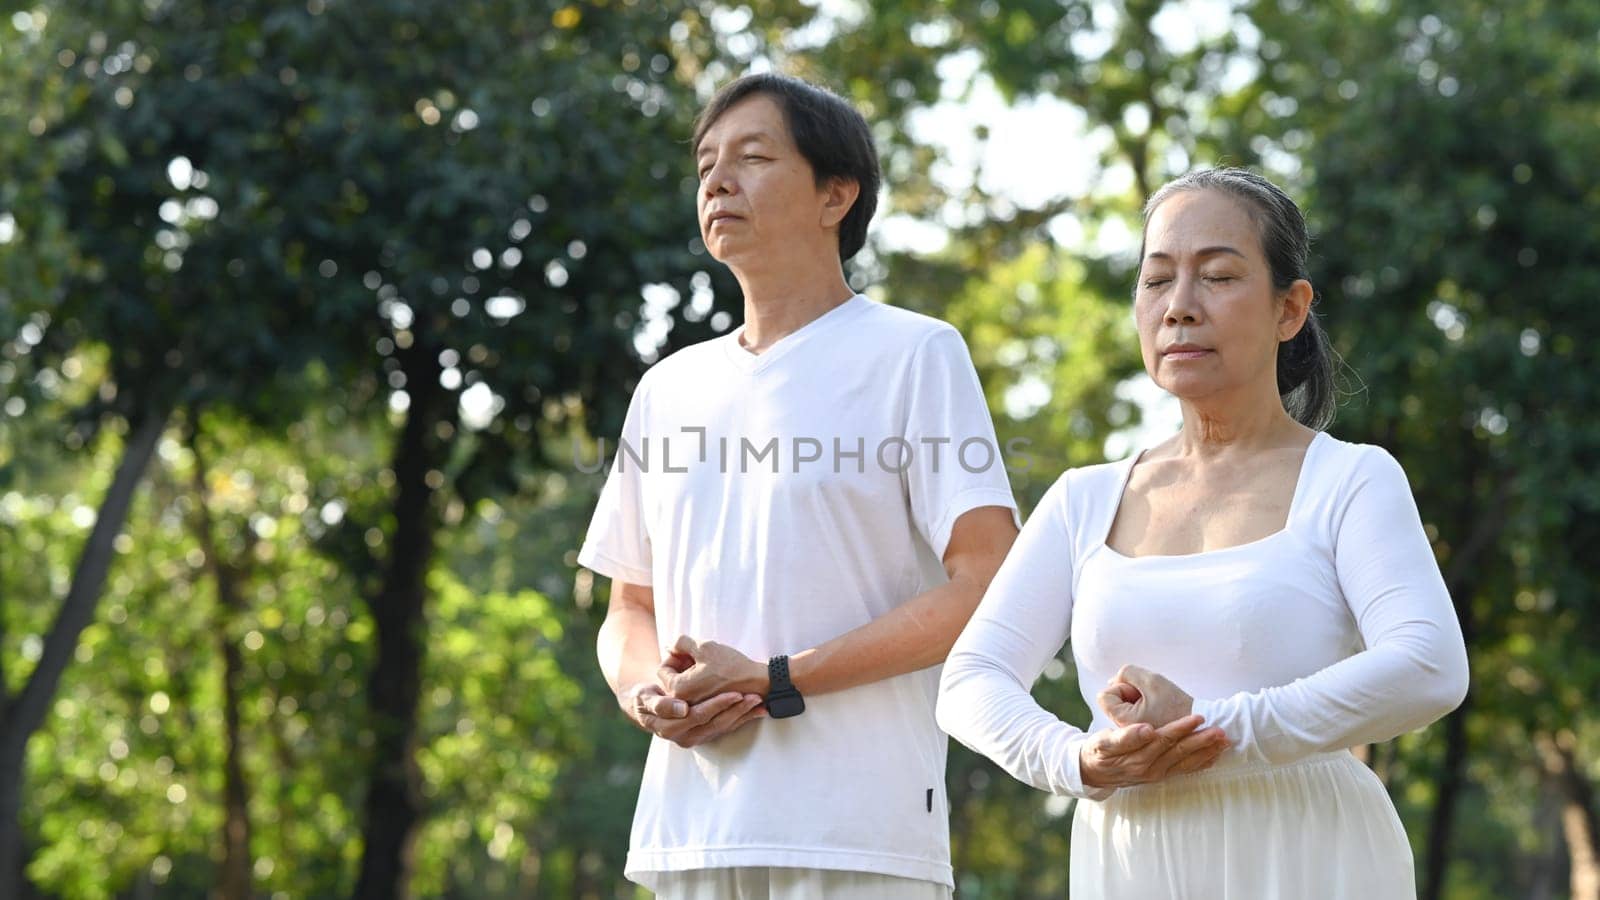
(1181, 305)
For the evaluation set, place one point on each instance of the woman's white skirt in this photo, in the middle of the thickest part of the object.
(1321, 827)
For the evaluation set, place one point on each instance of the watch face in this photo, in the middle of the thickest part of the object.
(786, 704)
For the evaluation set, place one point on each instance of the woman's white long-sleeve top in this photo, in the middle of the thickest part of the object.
(1333, 632)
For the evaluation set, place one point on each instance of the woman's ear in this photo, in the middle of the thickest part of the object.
(838, 197)
(1296, 306)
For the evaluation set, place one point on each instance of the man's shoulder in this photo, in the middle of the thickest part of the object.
(881, 321)
(689, 362)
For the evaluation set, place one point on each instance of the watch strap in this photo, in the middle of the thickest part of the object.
(778, 674)
(783, 699)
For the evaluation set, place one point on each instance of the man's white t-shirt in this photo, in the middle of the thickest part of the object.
(774, 502)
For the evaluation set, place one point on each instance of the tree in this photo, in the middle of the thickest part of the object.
(443, 221)
(1442, 170)
(104, 167)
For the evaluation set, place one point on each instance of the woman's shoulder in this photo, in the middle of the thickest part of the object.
(1345, 461)
(1341, 473)
(1082, 489)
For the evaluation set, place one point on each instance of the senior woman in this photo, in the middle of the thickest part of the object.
(1252, 575)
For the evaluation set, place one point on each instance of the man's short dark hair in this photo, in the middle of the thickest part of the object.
(832, 136)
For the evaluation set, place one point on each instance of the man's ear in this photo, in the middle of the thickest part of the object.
(838, 198)
(1296, 306)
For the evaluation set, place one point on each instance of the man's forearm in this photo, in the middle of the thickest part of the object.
(628, 646)
(915, 635)
(920, 632)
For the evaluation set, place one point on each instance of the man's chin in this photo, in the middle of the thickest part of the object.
(723, 250)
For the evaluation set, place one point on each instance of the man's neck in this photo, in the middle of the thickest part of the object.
(778, 306)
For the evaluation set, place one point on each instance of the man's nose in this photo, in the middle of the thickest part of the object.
(718, 181)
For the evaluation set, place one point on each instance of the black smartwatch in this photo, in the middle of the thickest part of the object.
(783, 700)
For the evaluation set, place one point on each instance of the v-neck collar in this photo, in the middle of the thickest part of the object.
(750, 363)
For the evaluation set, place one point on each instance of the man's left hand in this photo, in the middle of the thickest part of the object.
(695, 670)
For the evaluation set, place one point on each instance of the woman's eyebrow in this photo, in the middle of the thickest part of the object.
(1203, 251)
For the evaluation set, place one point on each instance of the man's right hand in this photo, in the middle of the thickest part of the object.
(1140, 754)
(685, 724)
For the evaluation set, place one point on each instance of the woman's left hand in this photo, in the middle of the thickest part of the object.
(1140, 695)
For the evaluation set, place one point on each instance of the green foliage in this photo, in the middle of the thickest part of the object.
(1050, 350)
(127, 774)
(504, 720)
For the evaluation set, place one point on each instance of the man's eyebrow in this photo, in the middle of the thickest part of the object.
(746, 138)
(1203, 251)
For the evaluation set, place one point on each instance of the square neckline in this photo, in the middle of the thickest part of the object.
(1288, 518)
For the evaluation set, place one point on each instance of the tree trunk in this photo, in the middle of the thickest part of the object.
(528, 874)
(1440, 824)
(1383, 756)
(1462, 586)
(394, 796)
(234, 881)
(22, 715)
(237, 862)
(1580, 823)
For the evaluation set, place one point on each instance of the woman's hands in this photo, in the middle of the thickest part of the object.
(1140, 695)
(1157, 735)
(1140, 754)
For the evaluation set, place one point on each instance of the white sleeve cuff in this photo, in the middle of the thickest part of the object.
(965, 502)
(1072, 772)
(591, 558)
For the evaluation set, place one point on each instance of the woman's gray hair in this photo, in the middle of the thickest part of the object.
(1306, 362)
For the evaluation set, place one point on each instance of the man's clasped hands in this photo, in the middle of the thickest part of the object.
(705, 690)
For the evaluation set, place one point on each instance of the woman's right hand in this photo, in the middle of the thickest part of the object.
(1141, 754)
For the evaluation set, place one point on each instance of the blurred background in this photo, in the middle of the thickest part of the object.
(312, 313)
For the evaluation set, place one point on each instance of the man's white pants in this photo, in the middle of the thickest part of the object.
(773, 883)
